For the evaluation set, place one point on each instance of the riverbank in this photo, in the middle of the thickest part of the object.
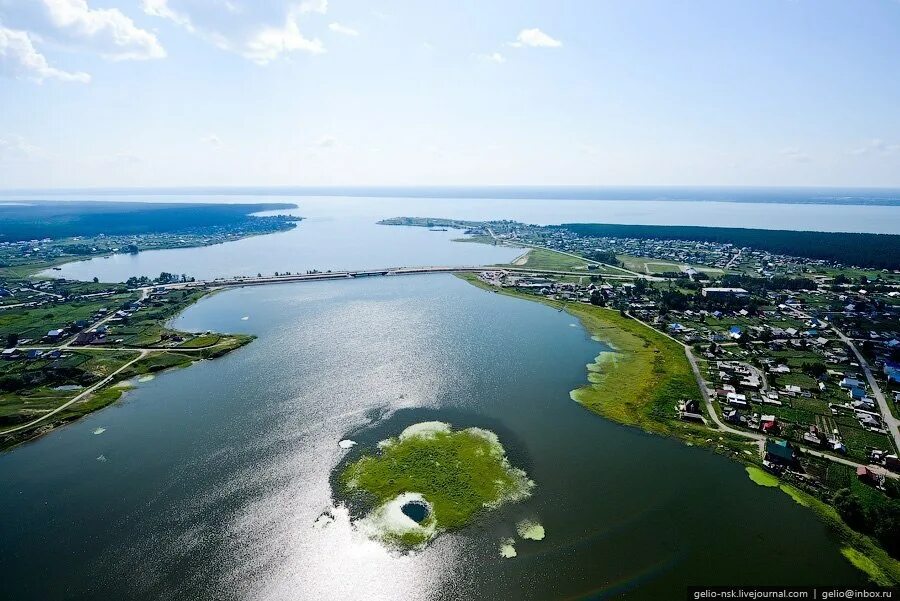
(35, 383)
(76, 231)
(639, 383)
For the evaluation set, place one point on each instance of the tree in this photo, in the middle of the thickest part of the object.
(597, 298)
(885, 519)
(12, 339)
(96, 280)
(849, 508)
(815, 369)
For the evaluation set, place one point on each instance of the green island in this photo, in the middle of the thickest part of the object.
(450, 474)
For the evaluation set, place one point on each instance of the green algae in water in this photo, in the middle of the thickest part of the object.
(761, 477)
(456, 473)
(530, 530)
(507, 548)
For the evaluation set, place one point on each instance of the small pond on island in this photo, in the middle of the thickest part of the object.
(216, 481)
(415, 511)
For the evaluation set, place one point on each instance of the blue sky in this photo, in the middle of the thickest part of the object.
(316, 92)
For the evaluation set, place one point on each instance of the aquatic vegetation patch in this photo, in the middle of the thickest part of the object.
(761, 477)
(507, 548)
(453, 473)
(530, 530)
(638, 384)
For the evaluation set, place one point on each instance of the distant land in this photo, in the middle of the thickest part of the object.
(878, 251)
(789, 195)
(881, 251)
(30, 220)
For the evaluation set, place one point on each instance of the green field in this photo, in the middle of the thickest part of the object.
(542, 258)
(649, 265)
(35, 322)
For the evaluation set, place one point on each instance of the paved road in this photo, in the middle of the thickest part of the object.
(759, 438)
(734, 258)
(892, 422)
(77, 397)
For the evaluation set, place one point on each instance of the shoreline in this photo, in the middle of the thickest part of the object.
(39, 273)
(108, 390)
(857, 548)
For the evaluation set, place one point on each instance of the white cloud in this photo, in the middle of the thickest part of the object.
(794, 154)
(535, 38)
(16, 147)
(126, 158)
(161, 8)
(326, 141)
(213, 140)
(74, 24)
(343, 29)
(875, 146)
(19, 58)
(259, 30)
(314, 6)
(494, 57)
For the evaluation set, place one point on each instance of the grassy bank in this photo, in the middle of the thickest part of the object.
(639, 383)
(858, 549)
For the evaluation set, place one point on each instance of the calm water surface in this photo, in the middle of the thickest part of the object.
(207, 481)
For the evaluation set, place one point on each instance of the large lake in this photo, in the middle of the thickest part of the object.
(341, 232)
(206, 481)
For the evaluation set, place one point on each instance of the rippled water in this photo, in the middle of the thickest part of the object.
(214, 476)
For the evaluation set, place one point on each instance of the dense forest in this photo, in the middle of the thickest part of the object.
(880, 251)
(46, 219)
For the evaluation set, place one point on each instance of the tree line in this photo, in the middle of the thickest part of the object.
(879, 251)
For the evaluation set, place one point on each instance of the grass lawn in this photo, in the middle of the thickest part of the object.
(201, 341)
(541, 258)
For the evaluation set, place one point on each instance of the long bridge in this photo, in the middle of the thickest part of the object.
(362, 273)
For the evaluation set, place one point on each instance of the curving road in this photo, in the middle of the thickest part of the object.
(892, 422)
(759, 438)
(77, 397)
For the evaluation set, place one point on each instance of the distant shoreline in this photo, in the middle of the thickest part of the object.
(844, 195)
